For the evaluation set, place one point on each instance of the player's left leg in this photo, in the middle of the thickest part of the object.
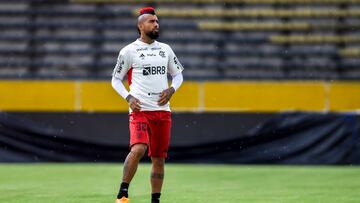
(157, 178)
(159, 140)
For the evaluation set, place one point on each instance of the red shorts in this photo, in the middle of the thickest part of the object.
(153, 129)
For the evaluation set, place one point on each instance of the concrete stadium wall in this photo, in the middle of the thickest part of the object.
(193, 96)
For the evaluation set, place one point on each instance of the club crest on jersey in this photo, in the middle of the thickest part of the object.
(162, 54)
(142, 56)
(154, 70)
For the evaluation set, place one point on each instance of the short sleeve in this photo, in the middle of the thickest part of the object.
(174, 65)
(122, 65)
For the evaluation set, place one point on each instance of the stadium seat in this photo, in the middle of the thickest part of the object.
(212, 38)
(256, 13)
(223, 1)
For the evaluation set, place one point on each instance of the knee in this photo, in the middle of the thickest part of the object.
(158, 162)
(138, 150)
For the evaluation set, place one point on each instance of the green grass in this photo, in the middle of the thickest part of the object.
(63, 183)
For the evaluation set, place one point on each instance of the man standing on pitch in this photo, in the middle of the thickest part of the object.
(146, 62)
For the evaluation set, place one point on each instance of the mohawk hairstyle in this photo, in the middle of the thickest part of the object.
(147, 10)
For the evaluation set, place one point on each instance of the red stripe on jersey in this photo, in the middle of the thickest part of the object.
(129, 75)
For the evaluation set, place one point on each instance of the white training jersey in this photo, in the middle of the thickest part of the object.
(147, 66)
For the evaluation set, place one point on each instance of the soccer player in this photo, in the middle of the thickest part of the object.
(147, 62)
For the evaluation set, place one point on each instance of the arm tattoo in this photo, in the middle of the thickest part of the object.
(157, 175)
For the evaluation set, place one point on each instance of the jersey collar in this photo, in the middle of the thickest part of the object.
(139, 42)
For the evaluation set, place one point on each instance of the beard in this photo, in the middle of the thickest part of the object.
(153, 34)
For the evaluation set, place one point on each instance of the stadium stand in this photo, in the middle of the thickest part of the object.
(229, 39)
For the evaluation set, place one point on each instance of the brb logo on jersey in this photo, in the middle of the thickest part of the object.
(154, 70)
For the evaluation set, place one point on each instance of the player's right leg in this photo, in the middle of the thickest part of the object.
(132, 161)
(139, 140)
(130, 166)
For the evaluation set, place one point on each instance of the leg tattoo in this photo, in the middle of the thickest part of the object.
(157, 175)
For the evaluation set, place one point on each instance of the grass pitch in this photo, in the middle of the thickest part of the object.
(70, 183)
